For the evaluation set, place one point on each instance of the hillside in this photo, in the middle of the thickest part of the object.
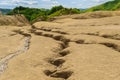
(5, 11)
(13, 20)
(111, 5)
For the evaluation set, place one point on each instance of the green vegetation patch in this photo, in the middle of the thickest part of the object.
(34, 14)
(108, 6)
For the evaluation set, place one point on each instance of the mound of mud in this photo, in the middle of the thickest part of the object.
(89, 15)
(14, 20)
(97, 14)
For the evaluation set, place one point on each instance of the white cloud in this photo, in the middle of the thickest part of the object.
(50, 3)
(17, 2)
(46, 0)
(27, 2)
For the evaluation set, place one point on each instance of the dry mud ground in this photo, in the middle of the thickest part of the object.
(64, 49)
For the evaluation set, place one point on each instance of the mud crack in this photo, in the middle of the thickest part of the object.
(59, 60)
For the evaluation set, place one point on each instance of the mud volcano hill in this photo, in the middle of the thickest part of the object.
(16, 20)
(67, 48)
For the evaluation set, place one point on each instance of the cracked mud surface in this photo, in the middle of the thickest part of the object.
(64, 49)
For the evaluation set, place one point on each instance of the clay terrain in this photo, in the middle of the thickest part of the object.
(66, 48)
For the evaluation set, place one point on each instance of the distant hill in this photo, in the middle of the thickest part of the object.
(109, 6)
(5, 11)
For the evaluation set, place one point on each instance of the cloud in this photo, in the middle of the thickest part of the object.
(18, 2)
(50, 3)
(27, 2)
(46, 0)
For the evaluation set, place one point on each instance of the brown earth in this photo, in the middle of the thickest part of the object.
(64, 49)
(13, 20)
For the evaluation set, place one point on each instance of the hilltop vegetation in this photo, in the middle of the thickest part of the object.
(33, 14)
(108, 6)
(29, 13)
(64, 11)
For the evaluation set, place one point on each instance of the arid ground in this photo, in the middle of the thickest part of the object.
(67, 48)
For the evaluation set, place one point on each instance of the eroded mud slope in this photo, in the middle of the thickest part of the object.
(64, 49)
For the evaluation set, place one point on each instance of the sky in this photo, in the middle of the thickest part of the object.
(10, 4)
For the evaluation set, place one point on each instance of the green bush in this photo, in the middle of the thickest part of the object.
(65, 11)
(29, 13)
(54, 9)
